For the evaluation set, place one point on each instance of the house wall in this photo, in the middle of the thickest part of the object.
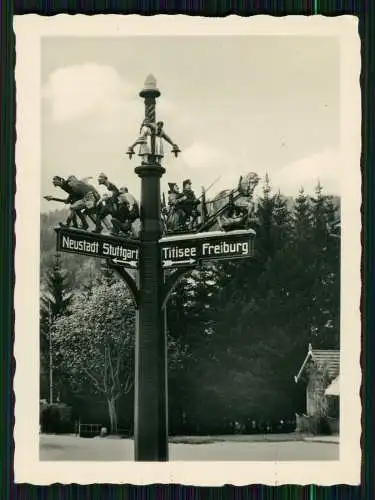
(333, 406)
(316, 401)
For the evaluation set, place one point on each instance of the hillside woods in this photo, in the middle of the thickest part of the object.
(238, 331)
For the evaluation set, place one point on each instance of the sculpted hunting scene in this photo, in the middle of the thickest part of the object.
(117, 212)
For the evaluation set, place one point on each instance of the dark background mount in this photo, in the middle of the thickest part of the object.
(365, 11)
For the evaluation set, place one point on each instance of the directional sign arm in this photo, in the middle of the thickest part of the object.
(129, 280)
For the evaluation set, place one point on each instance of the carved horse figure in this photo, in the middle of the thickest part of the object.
(233, 209)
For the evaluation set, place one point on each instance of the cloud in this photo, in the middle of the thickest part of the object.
(91, 116)
(165, 108)
(203, 155)
(80, 90)
(210, 164)
(323, 167)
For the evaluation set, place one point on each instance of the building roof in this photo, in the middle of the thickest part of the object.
(329, 358)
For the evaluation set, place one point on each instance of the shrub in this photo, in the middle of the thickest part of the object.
(324, 427)
(56, 418)
(313, 425)
(306, 424)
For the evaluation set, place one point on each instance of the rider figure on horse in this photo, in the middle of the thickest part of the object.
(108, 205)
(121, 205)
(182, 205)
(127, 212)
(175, 215)
(189, 201)
(82, 197)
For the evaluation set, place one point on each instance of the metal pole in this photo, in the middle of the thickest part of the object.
(50, 354)
(150, 417)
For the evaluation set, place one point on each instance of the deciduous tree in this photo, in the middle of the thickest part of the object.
(95, 343)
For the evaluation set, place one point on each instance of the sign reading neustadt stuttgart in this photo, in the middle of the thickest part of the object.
(192, 248)
(180, 250)
(120, 250)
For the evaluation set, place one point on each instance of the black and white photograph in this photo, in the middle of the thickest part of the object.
(187, 300)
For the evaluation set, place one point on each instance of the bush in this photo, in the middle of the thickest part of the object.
(306, 424)
(313, 425)
(56, 418)
(324, 427)
(334, 425)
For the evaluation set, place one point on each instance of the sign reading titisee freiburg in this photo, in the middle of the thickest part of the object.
(190, 249)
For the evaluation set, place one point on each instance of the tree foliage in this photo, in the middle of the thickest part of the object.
(238, 331)
(95, 343)
(248, 329)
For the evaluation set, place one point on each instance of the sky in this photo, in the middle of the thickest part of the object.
(233, 104)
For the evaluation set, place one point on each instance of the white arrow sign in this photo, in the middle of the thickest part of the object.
(170, 263)
(131, 263)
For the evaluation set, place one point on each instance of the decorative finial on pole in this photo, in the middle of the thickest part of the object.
(150, 140)
(150, 88)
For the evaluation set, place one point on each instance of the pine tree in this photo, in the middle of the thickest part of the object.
(302, 217)
(192, 306)
(319, 213)
(54, 303)
(265, 218)
(325, 315)
(333, 219)
(281, 220)
(56, 297)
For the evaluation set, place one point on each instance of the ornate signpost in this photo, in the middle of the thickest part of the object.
(159, 261)
(117, 250)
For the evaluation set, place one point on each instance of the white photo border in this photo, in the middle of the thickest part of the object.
(29, 30)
